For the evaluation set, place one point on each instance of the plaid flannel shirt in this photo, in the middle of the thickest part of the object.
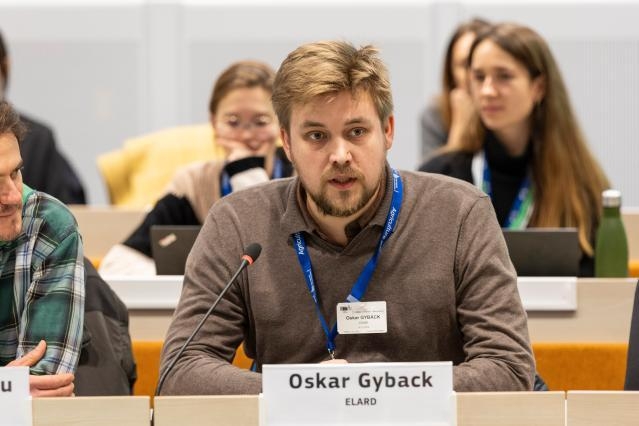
(42, 286)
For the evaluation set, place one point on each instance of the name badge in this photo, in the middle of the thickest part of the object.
(361, 318)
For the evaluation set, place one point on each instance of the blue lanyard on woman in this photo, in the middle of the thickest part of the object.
(278, 172)
(360, 286)
(522, 206)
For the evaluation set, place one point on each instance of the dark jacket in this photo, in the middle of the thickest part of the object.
(506, 181)
(45, 168)
(106, 363)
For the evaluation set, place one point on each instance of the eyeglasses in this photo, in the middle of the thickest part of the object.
(260, 123)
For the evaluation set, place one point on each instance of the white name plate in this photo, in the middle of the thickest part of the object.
(15, 401)
(407, 393)
(548, 293)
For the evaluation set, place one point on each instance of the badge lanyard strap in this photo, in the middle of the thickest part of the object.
(522, 206)
(360, 286)
(278, 172)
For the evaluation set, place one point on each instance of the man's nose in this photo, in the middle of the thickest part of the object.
(9, 193)
(340, 152)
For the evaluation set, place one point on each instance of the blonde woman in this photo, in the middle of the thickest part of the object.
(531, 156)
(246, 126)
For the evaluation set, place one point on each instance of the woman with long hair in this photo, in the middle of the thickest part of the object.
(445, 118)
(528, 152)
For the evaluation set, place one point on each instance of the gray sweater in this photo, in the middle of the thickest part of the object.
(434, 133)
(445, 274)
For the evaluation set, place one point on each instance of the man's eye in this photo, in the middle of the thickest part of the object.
(14, 175)
(357, 132)
(502, 76)
(315, 136)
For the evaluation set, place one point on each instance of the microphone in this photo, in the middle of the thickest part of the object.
(251, 253)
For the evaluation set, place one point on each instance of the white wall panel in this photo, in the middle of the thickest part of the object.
(101, 72)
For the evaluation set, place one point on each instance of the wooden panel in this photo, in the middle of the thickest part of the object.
(103, 227)
(604, 309)
(631, 223)
(242, 410)
(511, 408)
(94, 411)
(603, 408)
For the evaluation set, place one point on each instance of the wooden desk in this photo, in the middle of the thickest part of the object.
(511, 408)
(240, 410)
(630, 216)
(604, 308)
(473, 409)
(104, 226)
(602, 408)
(94, 411)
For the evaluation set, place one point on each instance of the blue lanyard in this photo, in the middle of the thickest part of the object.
(522, 206)
(278, 172)
(360, 286)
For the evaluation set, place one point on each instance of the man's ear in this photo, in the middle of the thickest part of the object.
(286, 143)
(389, 132)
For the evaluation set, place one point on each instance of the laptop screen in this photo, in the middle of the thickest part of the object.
(170, 246)
(552, 252)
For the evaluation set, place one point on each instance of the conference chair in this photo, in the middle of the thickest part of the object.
(137, 174)
(632, 365)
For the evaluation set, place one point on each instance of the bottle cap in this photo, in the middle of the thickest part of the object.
(611, 198)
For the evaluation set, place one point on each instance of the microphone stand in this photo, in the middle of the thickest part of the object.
(252, 252)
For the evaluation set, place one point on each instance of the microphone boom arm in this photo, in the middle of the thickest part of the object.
(251, 254)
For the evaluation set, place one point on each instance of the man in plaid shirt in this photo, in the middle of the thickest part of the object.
(41, 275)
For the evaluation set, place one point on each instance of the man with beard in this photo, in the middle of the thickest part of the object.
(41, 275)
(425, 250)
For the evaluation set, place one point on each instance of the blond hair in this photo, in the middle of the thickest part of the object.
(329, 67)
(568, 181)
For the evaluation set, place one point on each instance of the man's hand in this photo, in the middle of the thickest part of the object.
(49, 385)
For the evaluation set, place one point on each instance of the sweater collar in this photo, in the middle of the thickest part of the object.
(499, 159)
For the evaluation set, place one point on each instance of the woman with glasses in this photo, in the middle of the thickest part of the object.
(244, 124)
(528, 152)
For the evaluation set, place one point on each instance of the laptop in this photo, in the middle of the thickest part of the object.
(550, 252)
(170, 246)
